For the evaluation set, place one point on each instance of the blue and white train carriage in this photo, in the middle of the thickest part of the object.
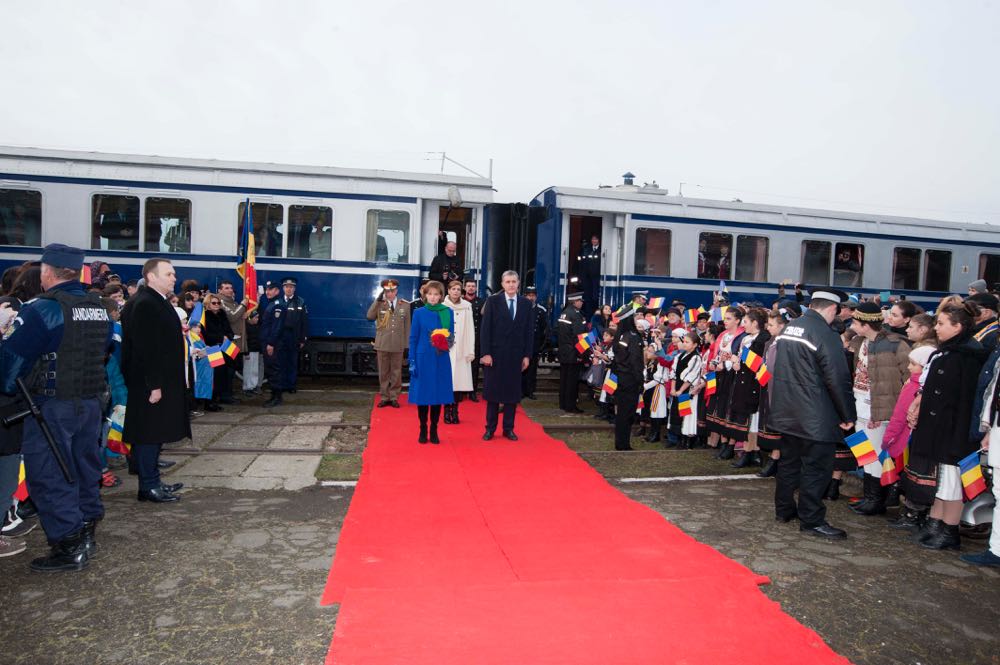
(338, 231)
(681, 247)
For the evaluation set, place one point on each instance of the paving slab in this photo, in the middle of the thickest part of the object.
(295, 471)
(209, 464)
(318, 417)
(226, 416)
(203, 434)
(300, 436)
(246, 436)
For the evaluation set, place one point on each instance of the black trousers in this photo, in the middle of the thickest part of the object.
(626, 399)
(493, 415)
(569, 385)
(806, 465)
(475, 373)
(147, 457)
(529, 379)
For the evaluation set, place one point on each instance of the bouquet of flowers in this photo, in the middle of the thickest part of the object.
(441, 339)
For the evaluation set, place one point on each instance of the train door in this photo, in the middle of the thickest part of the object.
(455, 225)
(584, 268)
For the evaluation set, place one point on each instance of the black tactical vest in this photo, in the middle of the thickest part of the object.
(76, 369)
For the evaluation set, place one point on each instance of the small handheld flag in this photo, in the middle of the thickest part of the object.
(21, 493)
(656, 303)
(710, 384)
(197, 315)
(972, 476)
(691, 316)
(684, 405)
(861, 446)
(641, 405)
(582, 344)
(751, 359)
(890, 472)
(86, 277)
(229, 348)
(610, 384)
(215, 357)
(763, 375)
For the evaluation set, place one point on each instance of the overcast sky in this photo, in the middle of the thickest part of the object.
(889, 107)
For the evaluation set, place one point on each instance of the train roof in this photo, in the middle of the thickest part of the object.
(681, 203)
(112, 159)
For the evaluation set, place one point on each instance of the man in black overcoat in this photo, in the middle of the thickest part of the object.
(153, 368)
(507, 342)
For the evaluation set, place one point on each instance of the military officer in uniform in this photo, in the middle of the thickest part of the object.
(283, 331)
(569, 328)
(391, 315)
(589, 268)
(540, 318)
(58, 346)
(629, 368)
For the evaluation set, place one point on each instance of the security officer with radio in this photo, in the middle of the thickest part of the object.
(58, 347)
(569, 328)
(283, 330)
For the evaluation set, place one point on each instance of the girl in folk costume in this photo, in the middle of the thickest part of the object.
(686, 374)
(603, 356)
(769, 440)
(742, 421)
(653, 338)
(657, 389)
(725, 364)
(463, 351)
(707, 352)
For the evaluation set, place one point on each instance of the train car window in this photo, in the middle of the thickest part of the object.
(20, 217)
(937, 270)
(268, 227)
(989, 268)
(168, 225)
(906, 268)
(751, 258)
(816, 261)
(848, 266)
(652, 252)
(311, 229)
(387, 237)
(715, 255)
(114, 222)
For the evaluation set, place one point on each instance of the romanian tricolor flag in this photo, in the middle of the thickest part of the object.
(246, 268)
(21, 493)
(710, 384)
(751, 359)
(215, 357)
(972, 476)
(656, 303)
(642, 404)
(197, 314)
(890, 470)
(582, 344)
(229, 348)
(861, 446)
(691, 315)
(195, 337)
(763, 375)
(86, 277)
(115, 442)
(684, 405)
(610, 384)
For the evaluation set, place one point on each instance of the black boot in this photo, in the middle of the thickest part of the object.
(874, 498)
(770, 468)
(755, 458)
(89, 527)
(832, 490)
(454, 414)
(929, 530)
(909, 519)
(422, 415)
(743, 461)
(685, 443)
(68, 554)
(892, 495)
(946, 538)
(447, 414)
(435, 415)
(275, 399)
(654, 431)
(728, 451)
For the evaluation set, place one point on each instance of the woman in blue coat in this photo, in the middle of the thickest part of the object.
(430, 364)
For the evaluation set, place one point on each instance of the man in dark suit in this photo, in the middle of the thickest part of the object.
(507, 342)
(153, 368)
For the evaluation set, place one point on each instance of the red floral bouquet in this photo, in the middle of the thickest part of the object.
(441, 339)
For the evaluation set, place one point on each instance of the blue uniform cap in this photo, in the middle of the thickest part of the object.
(289, 280)
(63, 256)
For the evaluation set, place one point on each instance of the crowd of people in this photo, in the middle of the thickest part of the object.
(117, 370)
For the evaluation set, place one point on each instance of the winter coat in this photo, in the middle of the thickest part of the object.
(508, 342)
(945, 418)
(430, 368)
(216, 327)
(746, 390)
(984, 408)
(392, 327)
(897, 432)
(569, 327)
(153, 358)
(888, 370)
(204, 373)
(253, 337)
(463, 352)
(236, 313)
(628, 365)
(811, 392)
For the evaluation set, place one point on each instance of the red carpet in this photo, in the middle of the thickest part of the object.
(502, 552)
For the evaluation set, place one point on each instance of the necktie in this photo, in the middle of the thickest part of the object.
(510, 306)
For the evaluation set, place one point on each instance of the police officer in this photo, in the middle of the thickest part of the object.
(588, 263)
(282, 334)
(812, 405)
(628, 367)
(540, 317)
(58, 346)
(570, 326)
(271, 290)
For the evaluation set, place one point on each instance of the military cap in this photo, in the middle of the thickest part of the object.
(58, 255)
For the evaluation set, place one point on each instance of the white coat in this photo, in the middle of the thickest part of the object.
(463, 351)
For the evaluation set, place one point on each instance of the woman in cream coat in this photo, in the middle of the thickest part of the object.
(463, 352)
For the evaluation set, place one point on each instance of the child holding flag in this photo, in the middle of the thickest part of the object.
(204, 373)
(686, 374)
(741, 420)
(725, 364)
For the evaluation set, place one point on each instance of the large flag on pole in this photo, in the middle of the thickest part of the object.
(248, 258)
